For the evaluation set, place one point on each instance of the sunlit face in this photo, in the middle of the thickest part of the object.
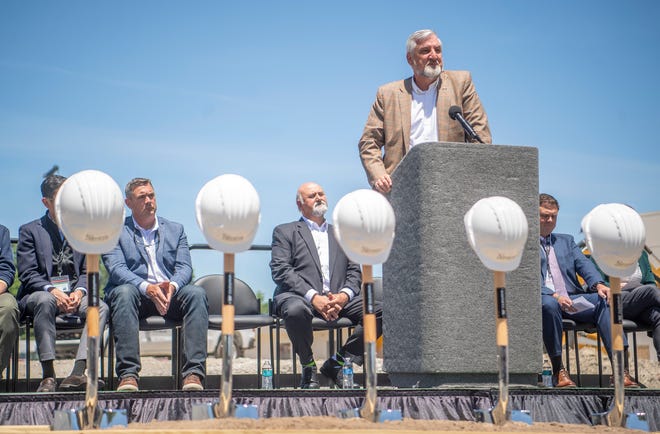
(314, 202)
(426, 59)
(142, 202)
(548, 215)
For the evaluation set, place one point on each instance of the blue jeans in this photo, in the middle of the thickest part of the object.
(128, 306)
(598, 315)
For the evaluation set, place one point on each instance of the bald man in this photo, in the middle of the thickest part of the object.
(315, 279)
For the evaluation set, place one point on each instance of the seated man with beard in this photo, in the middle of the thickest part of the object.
(315, 279)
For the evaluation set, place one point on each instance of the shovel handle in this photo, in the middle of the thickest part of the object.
(368, 317)
(616, 313)
(93, 295)
(228, 296)
(501, 327)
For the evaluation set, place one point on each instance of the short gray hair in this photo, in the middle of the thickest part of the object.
(135, 183)
(417, 36)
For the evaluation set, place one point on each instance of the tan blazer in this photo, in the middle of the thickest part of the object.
(386, 136)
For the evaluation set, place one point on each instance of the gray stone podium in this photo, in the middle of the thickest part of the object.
(439, 315)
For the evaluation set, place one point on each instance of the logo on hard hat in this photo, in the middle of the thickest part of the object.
(229, 238)
(504, 257)
(368, 251)
(91, 237)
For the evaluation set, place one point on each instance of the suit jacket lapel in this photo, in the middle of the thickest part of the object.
(333, 247)
(160, 245)
(405, 101)
(139, 242)
(306, 235)
(47, 243)
(442, 107)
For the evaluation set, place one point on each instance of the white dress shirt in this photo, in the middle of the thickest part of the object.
(154, 274)
(320, 236)
(423, 118)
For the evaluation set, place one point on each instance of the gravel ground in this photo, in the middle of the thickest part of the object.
(649, 371)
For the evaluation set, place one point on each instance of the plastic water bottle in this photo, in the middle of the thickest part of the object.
(266, 375)
(546, 373)
(347, 374)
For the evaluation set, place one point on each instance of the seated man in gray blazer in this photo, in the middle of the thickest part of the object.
(8, 306)
(53, 282)
(315, 278)
(149, 274)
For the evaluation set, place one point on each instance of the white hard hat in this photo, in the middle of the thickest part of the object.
(497, 231)
(364, 226)
(227, 210)
(615, 235)
(90, 211)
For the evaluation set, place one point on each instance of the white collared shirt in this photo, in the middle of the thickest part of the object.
(632, 281)
(154, 273)
(320, 236)
(423, 117)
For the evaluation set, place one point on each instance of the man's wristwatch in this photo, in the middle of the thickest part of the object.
(594, 287)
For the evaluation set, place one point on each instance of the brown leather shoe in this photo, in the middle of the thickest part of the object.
(563, 380)
(74, 382)
(77, 382)
(48, 384)
(192, 382)
(627, 380)
(128, 384)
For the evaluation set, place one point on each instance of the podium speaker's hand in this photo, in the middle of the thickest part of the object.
(383, 184)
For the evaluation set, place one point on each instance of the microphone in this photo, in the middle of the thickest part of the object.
(456, 114)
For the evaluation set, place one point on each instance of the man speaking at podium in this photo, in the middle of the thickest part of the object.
(417, 110)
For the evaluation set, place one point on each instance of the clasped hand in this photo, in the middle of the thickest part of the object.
(330, 305)
(161, 294)
(67, 303)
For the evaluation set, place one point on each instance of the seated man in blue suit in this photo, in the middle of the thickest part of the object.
(561, 262)
(149, 274)
(8, 306)
(315, 279)
(53, 282)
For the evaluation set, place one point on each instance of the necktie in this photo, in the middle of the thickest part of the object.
(553, 269)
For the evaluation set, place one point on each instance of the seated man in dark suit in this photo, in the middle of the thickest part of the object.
(315, 278)
(8, 306)
(561, 262)
(149, 274)
(53, 282)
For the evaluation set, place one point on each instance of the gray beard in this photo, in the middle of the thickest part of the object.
(432, 72)
(320, 209)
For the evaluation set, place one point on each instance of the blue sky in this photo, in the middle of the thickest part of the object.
(278, 92)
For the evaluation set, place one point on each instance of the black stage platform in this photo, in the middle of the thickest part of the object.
(546, 405)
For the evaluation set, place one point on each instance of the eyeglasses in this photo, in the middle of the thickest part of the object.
(548, 217)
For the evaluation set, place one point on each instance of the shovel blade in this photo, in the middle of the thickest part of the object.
(211, 410)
